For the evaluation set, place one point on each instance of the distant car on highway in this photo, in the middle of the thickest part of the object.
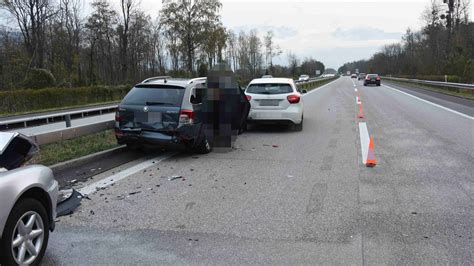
(303, 78)
(164, 112)
(354, 76)
(275, 101)
(372, 79)
(267, 76)
(28, 196)
(361, 76)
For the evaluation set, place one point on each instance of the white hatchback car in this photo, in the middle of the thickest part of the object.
(275, 101)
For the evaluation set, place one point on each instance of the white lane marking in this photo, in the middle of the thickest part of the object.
(358, 100)
(355, 90)
(313, 90)
(364, 141)
(91, 188)
(434, 104)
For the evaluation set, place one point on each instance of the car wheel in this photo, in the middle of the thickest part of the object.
(378, 84)
(133, 146)
(26, 234)
(204, 147)
(298, 127)
(243, 128)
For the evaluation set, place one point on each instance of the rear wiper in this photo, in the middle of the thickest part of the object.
(158, 103)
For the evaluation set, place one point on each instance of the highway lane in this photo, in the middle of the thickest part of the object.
(462, 105)
(284, 197)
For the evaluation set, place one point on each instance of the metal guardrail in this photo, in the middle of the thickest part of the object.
(71, 132)
(313, 79)
(65, 116)
(434, 83)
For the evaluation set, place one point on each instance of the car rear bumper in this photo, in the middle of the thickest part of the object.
(156, 139)
(367, 82)
(293, 115)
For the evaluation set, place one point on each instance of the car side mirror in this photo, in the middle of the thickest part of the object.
(304, 91)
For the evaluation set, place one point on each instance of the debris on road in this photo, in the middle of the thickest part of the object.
(70, 204)
(174, 177)
(275, 146)
(134, 192)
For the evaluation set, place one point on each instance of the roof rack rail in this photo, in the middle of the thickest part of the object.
(196, 79)
(156, 78)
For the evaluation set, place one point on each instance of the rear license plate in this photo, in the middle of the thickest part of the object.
(269, 102)
(155, 117)
(149, 117)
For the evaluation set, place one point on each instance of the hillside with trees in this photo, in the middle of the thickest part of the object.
(444, 46)
(54, 44)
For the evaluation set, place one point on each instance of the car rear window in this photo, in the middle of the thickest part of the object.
(155, 95)
(271, 88)
(373, 75)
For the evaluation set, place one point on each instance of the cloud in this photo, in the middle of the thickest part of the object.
(280, 32)
(363, 34)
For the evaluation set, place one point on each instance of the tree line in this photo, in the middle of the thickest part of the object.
(444, 46)
(52, 43)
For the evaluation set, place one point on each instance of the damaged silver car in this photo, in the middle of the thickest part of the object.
(28, 196)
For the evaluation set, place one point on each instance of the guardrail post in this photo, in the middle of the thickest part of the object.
(67, 118)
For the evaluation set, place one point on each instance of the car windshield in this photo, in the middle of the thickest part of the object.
(269, 88)
(155, 95)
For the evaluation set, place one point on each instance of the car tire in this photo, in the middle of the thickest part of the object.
(365, 84)
(204, 147)
(243, 128)
(132, 146)
(24, 207)
(378, 84)
(298, 127)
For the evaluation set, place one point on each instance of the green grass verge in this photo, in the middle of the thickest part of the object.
(314, 84)
(444, 90)
(70, 149)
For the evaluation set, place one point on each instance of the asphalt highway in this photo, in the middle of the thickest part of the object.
(289, 198)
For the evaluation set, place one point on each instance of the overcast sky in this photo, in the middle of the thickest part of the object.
(333, 32)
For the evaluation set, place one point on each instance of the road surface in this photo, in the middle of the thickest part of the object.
(287, 198)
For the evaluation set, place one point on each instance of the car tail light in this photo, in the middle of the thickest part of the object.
(293, 98)
(378, 78)
(367, 78)
(186, 117)
(249, 98)
(118, 118)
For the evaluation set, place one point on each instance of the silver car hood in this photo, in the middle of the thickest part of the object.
(15, 149)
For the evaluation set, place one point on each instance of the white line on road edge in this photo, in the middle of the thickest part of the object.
(364, 141)
(90, 189)
(434, 104)
(319, 87)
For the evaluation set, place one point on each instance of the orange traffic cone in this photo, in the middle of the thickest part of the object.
(361, 112)
(371, 161)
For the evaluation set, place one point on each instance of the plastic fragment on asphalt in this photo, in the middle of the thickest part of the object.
(171, 178)
(275, 146)
(69, 205)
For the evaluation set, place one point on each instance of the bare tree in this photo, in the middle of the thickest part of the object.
(189, 22)
(31, 17)
(128, 7)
